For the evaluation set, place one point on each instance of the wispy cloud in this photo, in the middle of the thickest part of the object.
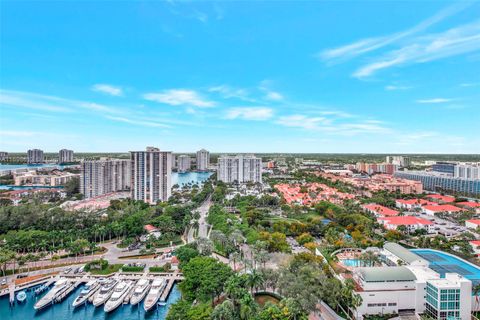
(434, 100)
(371, 44)
(250, 113)
(139, 122)
(178, 97)
(229, 92)
(332, 125)
(270, 94)
(471, 84)
(455, 41)
(108, 89)
(396, 88)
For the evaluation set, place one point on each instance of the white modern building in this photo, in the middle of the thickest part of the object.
(239, 168)
(467, 171)
(35, 156)
(203, 160)
(409, 285)
(3, 155)
(400, 161)
(99, 177)
(184, 163)
(151, 175)
(65, 156)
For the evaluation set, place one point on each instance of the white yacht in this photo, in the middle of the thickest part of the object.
(154, 294)
(104, 293)
(59, 287)
(119, 293)
(140, 291)
(90, 288)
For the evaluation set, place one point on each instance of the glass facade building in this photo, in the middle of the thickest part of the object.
(433, 181)
(442, 303)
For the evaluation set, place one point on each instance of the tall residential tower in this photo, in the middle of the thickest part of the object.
(239, 169)
(203, 160)
(35, 156)
(151, 175)
(65, 156)
(103, 176)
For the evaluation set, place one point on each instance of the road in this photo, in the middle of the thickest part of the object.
(203, 226)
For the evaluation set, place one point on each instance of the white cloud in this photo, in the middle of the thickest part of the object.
(471, 84)
(395, 88)
(332, 125)
(108, 89)
(275, 96)
(139, 122)
(177, 97)
(250, 113)
(370, 44)
(455, 41)
(434, 100)
(301, 121)
(229, 92)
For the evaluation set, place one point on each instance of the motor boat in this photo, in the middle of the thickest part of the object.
(90, 288)
(49, 298)
(118, 295)
(154, 294)
(104, 293)
(21, 296)
(140, 291)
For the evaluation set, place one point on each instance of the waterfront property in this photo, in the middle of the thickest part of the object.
(420, 281)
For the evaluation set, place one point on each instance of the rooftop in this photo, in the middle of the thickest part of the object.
(441, 198)
(381, 210)
(474, 221)
(403, 253)
(443, 207)
(407, 220)
(384, 274)
(470, 204)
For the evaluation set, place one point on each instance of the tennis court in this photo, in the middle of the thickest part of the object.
(445, 263)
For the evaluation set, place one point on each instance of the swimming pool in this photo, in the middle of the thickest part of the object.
(443, 262)
(355, 263)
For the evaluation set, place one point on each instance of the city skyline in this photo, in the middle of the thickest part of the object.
(232, 78)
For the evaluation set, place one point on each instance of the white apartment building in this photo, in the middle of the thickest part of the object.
(151, 175)
(411, 285)
(203, 160)
(400, 161)
(467, 171)
(99, 177)
(184, 163)
(65, 156)
(239, 168)
(3, 155)
(35, 156)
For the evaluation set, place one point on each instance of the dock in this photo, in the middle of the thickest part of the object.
(166, 291)
(68, 291)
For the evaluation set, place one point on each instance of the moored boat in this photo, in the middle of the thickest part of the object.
(90, 288)
(49, 298)
(21, 296)
(154, 294)
(140, 291)
(119, 293)
(104, 293)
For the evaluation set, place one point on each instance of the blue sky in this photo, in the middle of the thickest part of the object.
(241, 76)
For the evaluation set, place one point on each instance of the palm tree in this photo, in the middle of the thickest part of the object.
(254, 280)
(224, 311)
(356, 302)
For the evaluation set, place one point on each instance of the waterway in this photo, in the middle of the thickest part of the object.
(29, 166)
(64, 310)
(190, 177)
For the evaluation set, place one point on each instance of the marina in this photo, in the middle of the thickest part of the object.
(118, 294)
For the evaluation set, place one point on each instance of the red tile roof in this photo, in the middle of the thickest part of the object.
(475, 242)
(469, 204)
(474, 221)
(441, 198)
(416, 201)
(443, 207)
(406, 220)
(149, 228)
(380, 210)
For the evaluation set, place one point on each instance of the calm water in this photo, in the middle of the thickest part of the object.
(30, 166)
(195, 177)
(64, 310)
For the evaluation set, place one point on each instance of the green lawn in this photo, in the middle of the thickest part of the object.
(112, 268)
